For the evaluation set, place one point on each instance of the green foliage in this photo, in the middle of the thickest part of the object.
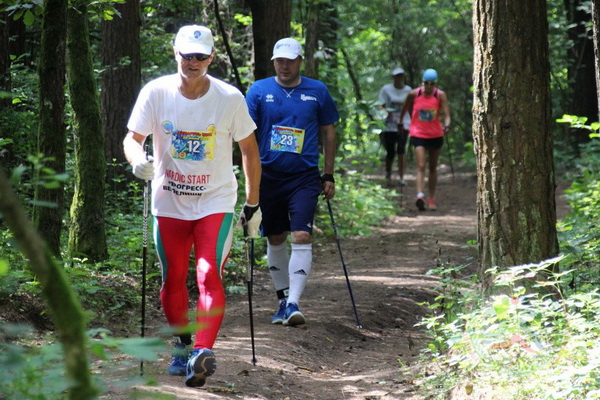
(520, 344)
(15, 142)
(580, 123)
(579, 231)
(359, 205)
(28, 11)
(37, 372)
(539, 337)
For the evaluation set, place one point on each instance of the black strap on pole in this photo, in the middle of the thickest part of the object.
(337, 240)
(250, 285)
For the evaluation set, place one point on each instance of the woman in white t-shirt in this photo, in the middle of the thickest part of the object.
(391, 98)
(193, 119)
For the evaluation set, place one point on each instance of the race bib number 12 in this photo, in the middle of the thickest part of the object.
(196, 146)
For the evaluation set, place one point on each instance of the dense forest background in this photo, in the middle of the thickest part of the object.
(70, 72)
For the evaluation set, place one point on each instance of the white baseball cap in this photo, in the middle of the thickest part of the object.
(287, 48)
(397, 71)
(194, 39)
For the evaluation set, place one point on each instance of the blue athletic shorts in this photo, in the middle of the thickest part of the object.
(429, 144)
(288, 201)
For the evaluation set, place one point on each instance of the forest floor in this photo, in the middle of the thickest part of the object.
(330, 358)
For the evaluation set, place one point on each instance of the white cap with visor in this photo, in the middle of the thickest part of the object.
(287, 48)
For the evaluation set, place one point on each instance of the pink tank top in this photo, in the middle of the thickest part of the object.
(425, 121)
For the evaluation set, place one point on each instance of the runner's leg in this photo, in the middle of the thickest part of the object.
(173, 238)
(434, 155)
(213, 236)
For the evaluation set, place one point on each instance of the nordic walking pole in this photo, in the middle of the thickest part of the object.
(337, 240)
(144, 257)
(144, 260)
(250, 284)
(450, 159)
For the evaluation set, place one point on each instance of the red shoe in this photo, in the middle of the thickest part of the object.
(431, 204)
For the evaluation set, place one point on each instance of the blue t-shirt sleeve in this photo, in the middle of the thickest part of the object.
(252, 102)
(328, 113)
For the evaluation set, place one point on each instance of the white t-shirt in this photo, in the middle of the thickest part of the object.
(192, 146)
(393, 99)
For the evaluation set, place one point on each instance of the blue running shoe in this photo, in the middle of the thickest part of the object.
(293, 316)
(279, 315)
(202, 364)
(178, 360)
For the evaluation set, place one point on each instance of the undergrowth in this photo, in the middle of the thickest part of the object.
(537, 343)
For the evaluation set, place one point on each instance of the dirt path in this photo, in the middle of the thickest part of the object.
(329, 357)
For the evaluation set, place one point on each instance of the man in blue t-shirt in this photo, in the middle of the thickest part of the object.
(290, 111)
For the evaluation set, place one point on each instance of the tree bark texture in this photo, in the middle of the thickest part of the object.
(65, 309)
(511, 128)
(121, 79)
(5, 81)
(87, 234)
(596, 35)
(270, 22)
(52, 139)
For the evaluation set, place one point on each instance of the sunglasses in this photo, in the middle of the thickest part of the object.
(199, 57)
(429, 83)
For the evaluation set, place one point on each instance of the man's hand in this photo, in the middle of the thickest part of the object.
(144, 168)
(250, 219)
(328, 184)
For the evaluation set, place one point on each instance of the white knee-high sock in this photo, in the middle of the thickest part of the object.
(300, 266)
(279, 259)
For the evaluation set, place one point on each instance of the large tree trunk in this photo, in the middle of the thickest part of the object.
(87, 237)
(121, 79)
(65, 309)
(511, 127)
(52, 140)
(270, 22)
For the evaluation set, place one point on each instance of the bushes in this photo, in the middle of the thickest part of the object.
(524, 344)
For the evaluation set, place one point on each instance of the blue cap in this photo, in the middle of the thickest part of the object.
(430, 75)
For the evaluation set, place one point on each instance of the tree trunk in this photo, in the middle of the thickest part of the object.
(311, 42)
(271, 22)
(65, 309)
(511, 128)
(596, 35)
(52, 141)
(5, 81)
(87, 236)
(582, 78)
(121, 79)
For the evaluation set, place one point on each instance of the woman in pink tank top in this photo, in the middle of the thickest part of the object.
(425, 104)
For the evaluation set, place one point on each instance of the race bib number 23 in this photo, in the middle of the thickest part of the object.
(285, 138)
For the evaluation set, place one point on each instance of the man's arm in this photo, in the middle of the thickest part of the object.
(329, 147)
(142, 164)
(252, 168)
(133, 147)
